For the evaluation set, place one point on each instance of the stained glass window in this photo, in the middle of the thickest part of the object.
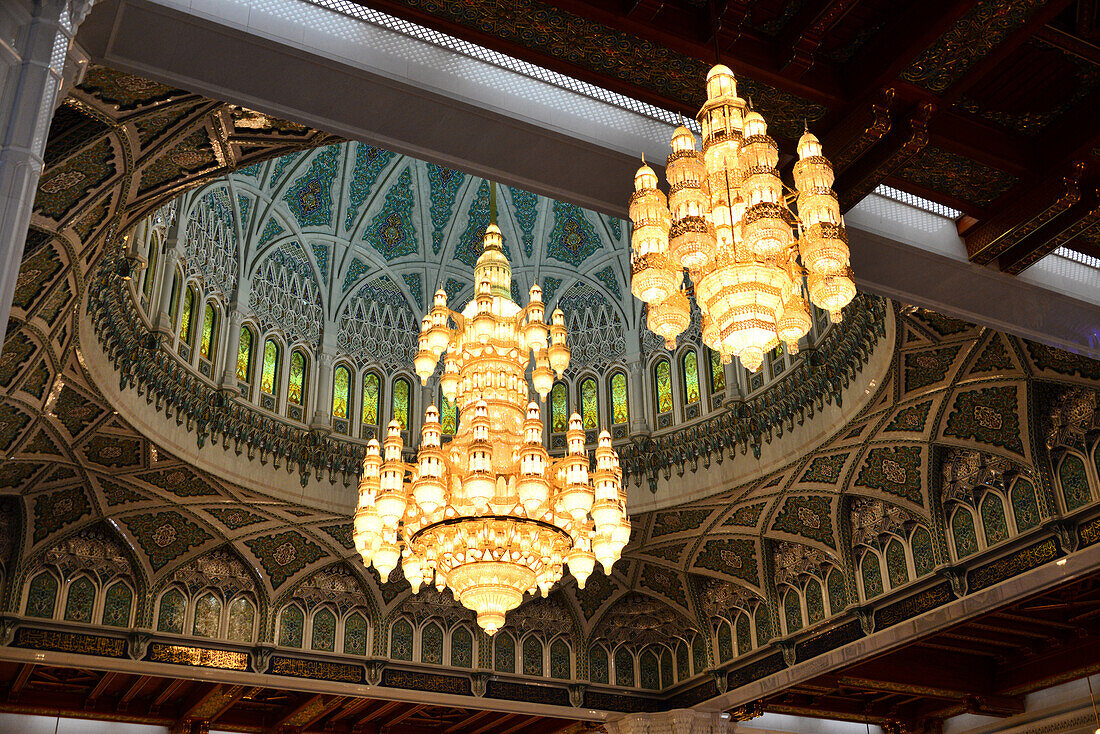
(560, 660)
(355, 635)
(683, 661)
(269, 375)
(763, 624)
(242, 618)
(1024, 508)
(209, 332)
(717, 372)
(559, 407)
(208, 610)
(590, 404)
(650, 669)
(993, 519)
(699, 653)
(42, 595)
(962, 527)
(662, 374)
(371, 398)
(401, 640)
(401, 401)
(185, 319)
(744, 634)
(896, 567)
(1075, 487)
(244, 356)
(871, 572)
(462, 648)
(689, 363)
(838, 595)
(725, 642)
(341, 392)
(532, 656)
(667, 673)
(116, 605)
(597, 664)
(431, 644)
(619, 411)
(299, 373)
(172, 607)
(174, 298)
(624, 667)
(81, 599)
(504, 653)
(792, 611)
(924, 559)
(815, 602)
(324, 631)
(448, 415)
(291, 623)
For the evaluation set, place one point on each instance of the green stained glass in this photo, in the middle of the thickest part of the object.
(624, 667)
(619, 411)
(341, 387)
(244, 356)
(597, 665)
(763, 624)
(590, 406)
(725, 642)
(690, 365)
(683, 661)
(116, 606)
(1024, 508)
(370, 398)
(355, 635)
(560, 660)
(504, 653)
(896, 567)
(324, 631)
(663, 377)
(872, 575)
(242, 618)
(296, 390)
(78, 606)
(559, 407)
(962, 528)
(209, 332)
(291, 625)
(269, 375)
(993, 519)
(649, 668)
(815, 602)
(744, 634)
(924, 559)
(1075, 487)
(172, 608)
(532, 656)
(431, 644)
(838, 594)
(717, 372)
(401, 402)
(185, 319)
(462, 648)
(792, 611)
(208, 611)
(448, 415)
(401, 640)
(667, 673)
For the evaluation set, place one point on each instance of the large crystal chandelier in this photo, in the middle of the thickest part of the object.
(728, 222)
(489, 514)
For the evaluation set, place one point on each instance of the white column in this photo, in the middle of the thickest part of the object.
(322, 413)
(32, 71)
(232, 345)
(173, 251)
(636, 387)
(677, 721)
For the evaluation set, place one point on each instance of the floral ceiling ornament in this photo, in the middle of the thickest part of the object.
(871, 519)
(640, 620)
(219, 569)
(719, 597)
(1075, 414)
(729, 223)
(794, 559)
(335, 585)
(965, 470)
(490, 515)
(90, 550)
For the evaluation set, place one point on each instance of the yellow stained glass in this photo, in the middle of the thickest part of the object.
(341, 387)
(690, 364)
(448, 415)
(619, 411)
(717, 372)
(296, 390)
(559, 407)
(209, 332)
(590, 404)
(185, 320)
(371, 385)
(401, 401)
(269, 376)
(244, 356)
(663, 374)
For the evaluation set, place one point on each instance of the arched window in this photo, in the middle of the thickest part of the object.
(590, 404)
(401, 392)
(683, 661)
(962, 529)
(896, 567)
(662, 382)
(504, 653)
(244, 356)
(668, 678)
(650, 669)
(561, 661)
(431, 644)
(187, 330)
(448, 415)
(42, 595)
(815, 602)
(401, 640)
(744, 634)
(559, 407)
(242, 620)
(993, 519)
(324, 630)
(698, 653)
(355, 634)
(620, 412)
(597, 664)
(291, 626)
(838, 594)
(462, 648)
(117, 604)
(299, 378)
(208, 610)
(1075, 485)
(924, 558)
(150, 270)
(173, 606)
(792, 611)
(624, 667)
(269, 373)
(689, 371)
(341, 392)
(763, 624)
(871, 573)
(717, 371)
(372, 401)
(1024, 508)
(80, 600)
(725, 641)
(532, 656)
(209, 342)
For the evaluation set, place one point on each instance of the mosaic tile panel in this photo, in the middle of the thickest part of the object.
(730, 556)
(56, 510)
(824, 469)
(391, 232)
(369, 162)
(895, 470)
(573, 238)
(180, 482)
(235, 518)
(929, 367)
(284, 554)
(911, 419)
(809, 517)
(165, 536)
(987, 415)
(747, 516)
(677, 521)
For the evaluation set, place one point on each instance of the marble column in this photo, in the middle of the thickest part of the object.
(322, 398)
(639, 423)
(676, 721)
(173, 251)
(32, 74)
(232, 346)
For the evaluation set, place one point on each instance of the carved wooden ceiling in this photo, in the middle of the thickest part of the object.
(983, 105)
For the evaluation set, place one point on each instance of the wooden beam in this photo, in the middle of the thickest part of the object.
(1063, 229)
(807, 31)
(1070, 44)
(101, 686)
(523, 724)
(171, 689)
(466, 723)
(494, 725)
(890, 155)
(398, 718)
(132, 692)
(20, 681)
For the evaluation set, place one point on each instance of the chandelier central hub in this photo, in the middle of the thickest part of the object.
(489, 514)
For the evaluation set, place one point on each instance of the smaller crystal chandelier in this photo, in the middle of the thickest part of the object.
(728, 222)
(490, 515)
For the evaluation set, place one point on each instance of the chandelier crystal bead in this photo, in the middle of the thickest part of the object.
(490, 514)
(727, 221)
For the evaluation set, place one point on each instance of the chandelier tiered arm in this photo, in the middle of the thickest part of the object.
(489, 514)
(728, 223)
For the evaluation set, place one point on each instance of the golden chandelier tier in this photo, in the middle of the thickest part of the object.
(728, 222)
(490, 515)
